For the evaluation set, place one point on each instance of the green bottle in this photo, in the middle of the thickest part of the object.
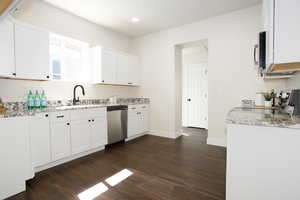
(43, 100)
(30, 100)
(37, 100)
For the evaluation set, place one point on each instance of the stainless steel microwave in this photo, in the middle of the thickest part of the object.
(260, 52)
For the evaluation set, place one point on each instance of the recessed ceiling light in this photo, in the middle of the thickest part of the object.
(135, 20)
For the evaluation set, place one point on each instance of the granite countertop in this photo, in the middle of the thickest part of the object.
(20, 110)
(262, 117)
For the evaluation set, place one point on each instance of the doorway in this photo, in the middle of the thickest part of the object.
(195, 84)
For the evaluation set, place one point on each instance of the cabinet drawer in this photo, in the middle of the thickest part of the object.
(97, 112)
(41, 116)
(63, 116)
(132, 108)
(79, 114)
(144, 107)
(87, 113)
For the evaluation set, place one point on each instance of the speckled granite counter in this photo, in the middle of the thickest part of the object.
(262, 117)
(19, 109)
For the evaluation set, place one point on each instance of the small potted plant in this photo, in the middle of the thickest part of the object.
(268, 98)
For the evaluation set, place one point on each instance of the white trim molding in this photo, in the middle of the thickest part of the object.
(67, 159)
(136, 136)
(165, 134)
(216, 142)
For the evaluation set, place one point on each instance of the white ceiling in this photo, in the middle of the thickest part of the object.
(155, 15)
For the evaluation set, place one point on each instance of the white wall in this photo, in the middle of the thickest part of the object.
(293, 83)
(41, 14)
(231, 71)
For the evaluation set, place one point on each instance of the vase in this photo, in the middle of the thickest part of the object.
(268, 103)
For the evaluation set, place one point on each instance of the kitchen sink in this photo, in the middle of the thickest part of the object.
(75, 107)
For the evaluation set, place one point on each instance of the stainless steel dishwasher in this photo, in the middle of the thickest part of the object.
(117, 123)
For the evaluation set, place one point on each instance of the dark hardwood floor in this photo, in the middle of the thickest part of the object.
(163, 169)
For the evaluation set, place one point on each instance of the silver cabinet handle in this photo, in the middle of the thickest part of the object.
(60, 116)
(256, 62)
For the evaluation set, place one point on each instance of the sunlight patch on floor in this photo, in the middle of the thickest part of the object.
(118, 177)
(100, 188)
(93, 192)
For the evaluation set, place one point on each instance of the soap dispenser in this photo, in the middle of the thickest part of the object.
(43, 100)
(30, 100)
(37, 100)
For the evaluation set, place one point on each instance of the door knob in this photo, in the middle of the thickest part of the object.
(189, 100)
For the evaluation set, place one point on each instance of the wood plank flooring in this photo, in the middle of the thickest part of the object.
(163, 169)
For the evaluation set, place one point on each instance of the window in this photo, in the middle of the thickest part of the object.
(69, 59)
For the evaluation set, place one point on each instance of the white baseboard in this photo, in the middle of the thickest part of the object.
(216, 142)
(68, 159)
(165, 134)
(136, 136)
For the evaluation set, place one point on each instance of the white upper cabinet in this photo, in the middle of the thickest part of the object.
(280, 21)
(31, 52)
(104, 65)
(123, 68)
(7, 56)
(133, 73)
(112, 67)
(127, 70)
(109, 65)
(286, 31)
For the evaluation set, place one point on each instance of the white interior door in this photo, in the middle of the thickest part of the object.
(195, 96)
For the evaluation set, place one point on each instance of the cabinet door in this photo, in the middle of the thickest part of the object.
(108, 66)
(133, 123)
(98, 132)
(133, 71)
(145, 120)
(7, 56)
(140, 122)
(287, 31)
(123, 68)
(15, 156)
(39, 129)
(32, 53)
(60, 140)
(80, 136)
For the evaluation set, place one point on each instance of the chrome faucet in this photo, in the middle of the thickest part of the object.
(75, 101)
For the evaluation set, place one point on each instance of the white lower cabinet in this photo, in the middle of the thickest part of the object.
(98, 132)
(138, 120)
(80, 136)
(60, 140)
(145, 120)
(133, 123)
(15, 156)
(39, 128)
